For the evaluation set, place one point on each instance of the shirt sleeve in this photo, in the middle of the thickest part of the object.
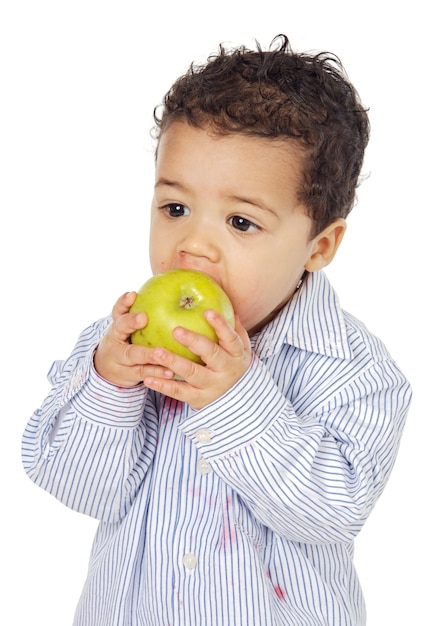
(315, 476)
(88, 444)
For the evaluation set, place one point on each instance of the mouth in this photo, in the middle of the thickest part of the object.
(194, 268)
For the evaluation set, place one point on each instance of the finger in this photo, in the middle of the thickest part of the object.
(173, 388)
(126, 324)
(134, 355)
(123, 304)
(183, 368)
(234, 341)
(154, 371)
(200, 345)
(131, 376)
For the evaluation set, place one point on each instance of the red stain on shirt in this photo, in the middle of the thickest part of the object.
(280, 592)
(170, 409)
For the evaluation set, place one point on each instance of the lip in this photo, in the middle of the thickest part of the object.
(195, 268)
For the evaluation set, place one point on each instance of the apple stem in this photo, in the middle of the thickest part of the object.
(186, 302)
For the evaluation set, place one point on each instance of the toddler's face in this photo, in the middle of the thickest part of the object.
(227, 206)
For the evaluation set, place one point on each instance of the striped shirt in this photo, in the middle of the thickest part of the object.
(242, 513)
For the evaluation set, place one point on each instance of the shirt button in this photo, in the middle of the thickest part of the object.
(203, 466)
(189, 560)
(203, 435)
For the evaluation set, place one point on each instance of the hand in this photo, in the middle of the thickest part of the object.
(116, 359)
(199, 385)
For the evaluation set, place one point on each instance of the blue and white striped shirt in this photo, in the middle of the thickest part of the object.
(243, 512)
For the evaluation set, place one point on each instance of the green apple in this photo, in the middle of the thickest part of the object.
(179, 298)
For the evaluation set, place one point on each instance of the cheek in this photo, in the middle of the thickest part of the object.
(158, 252)
(159, 267)
(251, 301)
(255, 300)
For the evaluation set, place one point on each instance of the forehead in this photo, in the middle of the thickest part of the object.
(183, 144)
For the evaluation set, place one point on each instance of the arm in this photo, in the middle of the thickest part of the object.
(307, 441)
(91, 442)
(313, 476)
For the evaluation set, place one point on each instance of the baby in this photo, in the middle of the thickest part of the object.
(230, 493)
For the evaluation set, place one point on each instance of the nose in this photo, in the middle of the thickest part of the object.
(200, 244)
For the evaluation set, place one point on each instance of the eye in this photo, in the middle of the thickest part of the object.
(242, 224)
(175, 209)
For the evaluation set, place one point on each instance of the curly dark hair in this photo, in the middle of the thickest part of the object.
(278, 93)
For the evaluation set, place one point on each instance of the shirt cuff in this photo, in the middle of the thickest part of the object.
(103, 403)
(239, 417)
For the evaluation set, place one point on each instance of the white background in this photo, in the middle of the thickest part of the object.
(79, 81)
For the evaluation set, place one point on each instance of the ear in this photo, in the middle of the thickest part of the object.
(325, 245)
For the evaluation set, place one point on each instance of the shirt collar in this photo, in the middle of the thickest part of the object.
(312, 321)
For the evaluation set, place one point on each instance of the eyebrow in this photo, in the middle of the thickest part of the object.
(170, 183)
(255, 202)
